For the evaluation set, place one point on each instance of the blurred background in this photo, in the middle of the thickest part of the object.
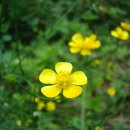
(34, 35)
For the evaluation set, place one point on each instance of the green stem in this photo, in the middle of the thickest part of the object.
(19, 84)
(18, 43)
(83, 109)
(19, 57)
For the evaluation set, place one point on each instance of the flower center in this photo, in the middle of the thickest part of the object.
(63, 79)
(86, 45)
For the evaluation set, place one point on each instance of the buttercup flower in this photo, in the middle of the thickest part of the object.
(120, 34)
(50, 106)
(125, 26)
(62, 80)
(111, 91)
(83, 45)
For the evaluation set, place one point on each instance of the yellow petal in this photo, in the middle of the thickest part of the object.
(73, 44)
(124, 36)
(48, 76)
(72, 91)
(77, 38)
(114, 34)
(74, 50)
(92, 37)
(51, 91)
(93, 45)
(64, 67)
(125, 26)
(79, 78)
(97, 44)
(119, 30)
(85, 52)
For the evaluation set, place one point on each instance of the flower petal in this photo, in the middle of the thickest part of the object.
(119, 30)
(51, 91)
(73, 44)
(77, 38)
(48, 76)
(74, 50)
(125, 36)
(125, 26)
(72, 91)
(79, 78)
(114, 34)
(92, 37)
(94, 45)
(85, 52)
(64, 67)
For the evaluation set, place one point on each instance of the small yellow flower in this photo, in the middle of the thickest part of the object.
(120, 34)
(99, 128)
(62, 79)
(83, 45)
(40, 105)
(19, 123)
(111, 91)
(125, 26)
(50, 106)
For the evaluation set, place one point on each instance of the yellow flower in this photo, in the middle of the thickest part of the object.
(50, 106)
(125, 26)
(111, 91)
(120, 34)
(99, 128)
(40, 105)
(19, 123)
(62, 79)
(83, 45)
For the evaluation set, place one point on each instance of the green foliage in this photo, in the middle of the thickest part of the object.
(34, 35)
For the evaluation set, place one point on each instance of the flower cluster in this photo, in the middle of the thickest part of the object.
(83, 45)
(121, 33)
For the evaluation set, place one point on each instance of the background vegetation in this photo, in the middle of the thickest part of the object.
(34, 35)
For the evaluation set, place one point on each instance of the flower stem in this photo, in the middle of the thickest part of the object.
(83, 109)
